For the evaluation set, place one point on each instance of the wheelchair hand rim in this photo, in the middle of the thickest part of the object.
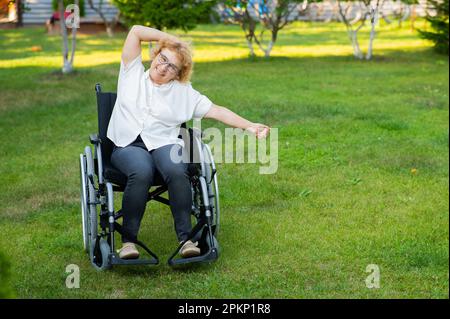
(84, 209)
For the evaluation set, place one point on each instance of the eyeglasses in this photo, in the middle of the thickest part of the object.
(163, 60)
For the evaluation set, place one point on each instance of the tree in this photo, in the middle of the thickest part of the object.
(184, 14)
(232, 12)
(271, 15)
(399, 10)
(73, 20)
(355, 14)
(109, 24)
(437, 16)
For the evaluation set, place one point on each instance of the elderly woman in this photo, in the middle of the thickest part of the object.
(150, 107)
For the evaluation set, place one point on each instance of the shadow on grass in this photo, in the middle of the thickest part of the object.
(155, 271)
(15, 45)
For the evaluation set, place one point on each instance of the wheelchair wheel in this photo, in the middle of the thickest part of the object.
(84, 203)
(99, 254)
(211, 191)
(212, 186)
(91, 216)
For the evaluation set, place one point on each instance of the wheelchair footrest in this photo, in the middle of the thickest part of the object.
(116, 260)
(211, 255)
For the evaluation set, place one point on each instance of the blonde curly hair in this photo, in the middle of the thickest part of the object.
(184, 53)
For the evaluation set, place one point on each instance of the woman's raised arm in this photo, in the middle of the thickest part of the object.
(132, 46)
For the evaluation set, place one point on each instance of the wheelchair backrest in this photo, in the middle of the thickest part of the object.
(105, 105)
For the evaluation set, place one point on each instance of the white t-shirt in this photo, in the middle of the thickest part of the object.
(154, 111)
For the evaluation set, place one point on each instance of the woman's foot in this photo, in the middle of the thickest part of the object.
(189, 249)
(128, 251)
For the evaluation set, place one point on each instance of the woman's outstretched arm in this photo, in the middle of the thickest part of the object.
(224, 115)
(132, 46)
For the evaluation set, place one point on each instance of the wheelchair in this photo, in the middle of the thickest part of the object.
(99, 180)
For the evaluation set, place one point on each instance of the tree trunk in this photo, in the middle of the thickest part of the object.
(74, 39)
(65, 49)
(19, 13)
(370, 48)
(109, 25)
(413, 16)
(109, 30)
(353, 35)
(373, 22)
(250, 47)
(271, 43)
(269, 49)
(67, 62)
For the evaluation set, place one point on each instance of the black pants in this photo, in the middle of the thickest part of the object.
(140, 166)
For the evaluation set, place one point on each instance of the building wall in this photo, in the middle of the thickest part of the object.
(41, 10)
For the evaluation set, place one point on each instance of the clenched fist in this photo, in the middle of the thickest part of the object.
(260, 130)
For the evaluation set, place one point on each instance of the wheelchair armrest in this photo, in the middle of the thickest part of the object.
(94, 139)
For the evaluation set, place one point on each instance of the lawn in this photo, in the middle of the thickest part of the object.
(363, 173)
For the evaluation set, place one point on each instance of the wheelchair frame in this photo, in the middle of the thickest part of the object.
(98, 191)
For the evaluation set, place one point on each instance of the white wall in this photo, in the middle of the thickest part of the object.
(41, 10)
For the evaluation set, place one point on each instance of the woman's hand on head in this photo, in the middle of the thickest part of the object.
(260, 130)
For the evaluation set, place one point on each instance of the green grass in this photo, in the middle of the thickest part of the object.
(344, 196)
